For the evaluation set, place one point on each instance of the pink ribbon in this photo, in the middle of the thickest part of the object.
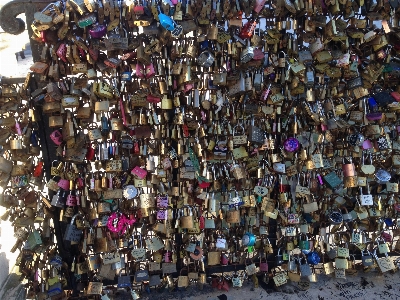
(123, 223)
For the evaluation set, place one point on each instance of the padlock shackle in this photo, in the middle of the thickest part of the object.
(74, 217)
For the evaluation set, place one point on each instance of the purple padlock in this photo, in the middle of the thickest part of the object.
(291, 144)
(321, 182)
(367, 144)
(71, 200)
(98, 31)
(374, 116)
(162, 214)
(168, 256)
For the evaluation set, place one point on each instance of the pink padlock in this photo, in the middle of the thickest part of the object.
(78, 199)
(263, 265)
(71, 200)
(140, 71)
(168, 256)
(56, 137)
(367, 144)
(259, 5)
(188, 87)
(64, 184)
(139, 172)
(150, 72)
(224, 259)
(348, 169)
(324, 127)
(43, 36)
(174, 2)
(62, 52)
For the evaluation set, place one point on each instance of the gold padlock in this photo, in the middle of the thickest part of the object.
(166, 103)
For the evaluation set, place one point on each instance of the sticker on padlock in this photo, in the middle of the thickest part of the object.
(366, 200)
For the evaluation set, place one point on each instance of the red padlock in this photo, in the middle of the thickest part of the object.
(138, 10)
(38, 169)
(185, 130)
(248, 29)
(94, 53)
(201, 222)
(79, 183)
(90, 153)
(153, 99)
(224, 259)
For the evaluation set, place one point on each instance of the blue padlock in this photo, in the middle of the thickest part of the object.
(248, 239)
(389, 222)
(203, 45)
(33, 138)
(373, 105)
(105, 128)
(166, 22)
(126, 76)
(313, 258)
(307, 217)
(211, 85)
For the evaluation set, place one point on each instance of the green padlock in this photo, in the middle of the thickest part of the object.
(304, 243)
(332, 180)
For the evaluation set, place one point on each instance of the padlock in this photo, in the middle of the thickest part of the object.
(367, 259)
(281, 59)
(279, 258)
(304, 243)
(72, 233)
(383, 247)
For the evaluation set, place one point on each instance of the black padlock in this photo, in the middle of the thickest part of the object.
(393, 134)
(367, 259)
